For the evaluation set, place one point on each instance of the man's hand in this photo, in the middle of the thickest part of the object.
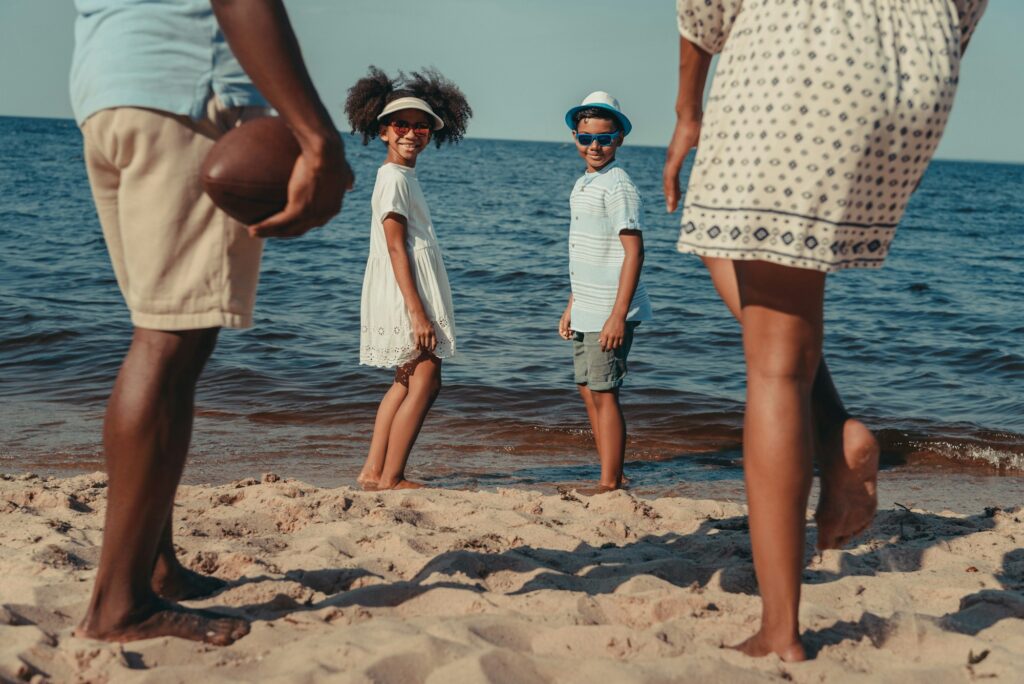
(261, 37)
(613, 333)
(423, 333)
(315, 190)
(565, 324)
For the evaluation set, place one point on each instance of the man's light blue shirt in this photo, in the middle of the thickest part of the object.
(168, 55)
(603, 204)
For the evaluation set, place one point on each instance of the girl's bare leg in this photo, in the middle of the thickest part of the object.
(389, 405)
(845, 450)
(424, 386)
(782, 311)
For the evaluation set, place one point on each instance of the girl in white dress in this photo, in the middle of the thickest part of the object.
(406, 315)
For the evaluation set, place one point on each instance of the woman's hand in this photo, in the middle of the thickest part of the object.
(423, 332)
(684, 139)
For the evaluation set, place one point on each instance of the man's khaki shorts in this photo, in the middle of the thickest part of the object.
(181, 263)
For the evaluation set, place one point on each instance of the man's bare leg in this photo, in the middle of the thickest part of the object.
(145, 437)
(172, 580)
(424, 386)
(845, 450)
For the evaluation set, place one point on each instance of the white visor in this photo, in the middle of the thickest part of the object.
(412, 103)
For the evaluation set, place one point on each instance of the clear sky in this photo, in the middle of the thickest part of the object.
(521, 63)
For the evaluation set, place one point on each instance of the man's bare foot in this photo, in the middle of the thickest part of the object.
(176, 582)
(168, 619)
(759, 646)
(400, 484)
(849, 479)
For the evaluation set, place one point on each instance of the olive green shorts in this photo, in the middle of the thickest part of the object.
(600, 371)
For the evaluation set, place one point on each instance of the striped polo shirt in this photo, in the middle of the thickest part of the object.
(602, 204)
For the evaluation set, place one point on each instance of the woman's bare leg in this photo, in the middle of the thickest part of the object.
(846, 451)
(369, 477)
(424, 386)
(781, 311)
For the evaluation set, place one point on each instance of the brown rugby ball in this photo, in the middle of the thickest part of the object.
(246, 172)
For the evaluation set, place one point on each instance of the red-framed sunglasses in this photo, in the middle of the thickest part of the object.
(401, 127)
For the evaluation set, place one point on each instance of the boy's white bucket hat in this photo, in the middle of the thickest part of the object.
(600, 100)
(411, 103)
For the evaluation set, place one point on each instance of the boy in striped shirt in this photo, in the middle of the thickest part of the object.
(606, 253)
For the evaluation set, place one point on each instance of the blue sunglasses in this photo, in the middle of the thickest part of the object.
(603, 139)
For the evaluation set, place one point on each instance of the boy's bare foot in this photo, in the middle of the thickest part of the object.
(178, 583)
(759, 646)
(168, 619)
(849, 478)
(401, 484)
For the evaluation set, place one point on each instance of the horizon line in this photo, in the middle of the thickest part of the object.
(963, 160)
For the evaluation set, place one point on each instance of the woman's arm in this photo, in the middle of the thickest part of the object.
(693, 73)
(395, 227)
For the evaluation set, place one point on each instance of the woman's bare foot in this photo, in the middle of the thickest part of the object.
(162, 619)
(849, 476)
(758, 646)
(401, 484)
(177, 583)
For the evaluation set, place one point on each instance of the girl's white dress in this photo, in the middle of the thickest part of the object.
(386, 333)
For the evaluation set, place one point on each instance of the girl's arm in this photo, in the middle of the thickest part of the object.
(614, 330)
(693, 73)
(395, 227)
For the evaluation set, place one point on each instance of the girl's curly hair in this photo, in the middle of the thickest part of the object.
(368, 97)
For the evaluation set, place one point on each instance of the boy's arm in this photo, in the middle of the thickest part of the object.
(261, 37)
(565, 323)
(693, 72)
(395, 228)
(614, 331)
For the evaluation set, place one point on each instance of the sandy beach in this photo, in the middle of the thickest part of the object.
(509, 586)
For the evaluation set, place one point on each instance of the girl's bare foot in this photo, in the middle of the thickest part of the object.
(163, 618)
(849, 478)
(758, 646)
(401, 484)
(368, 483)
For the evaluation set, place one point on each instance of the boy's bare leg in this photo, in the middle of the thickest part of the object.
(146, 436)
(610, 433)
(782, 334)
(846, 451)
(595, 428)
(588, 401)
(172, 580)
(369, 477)
(424, 386)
